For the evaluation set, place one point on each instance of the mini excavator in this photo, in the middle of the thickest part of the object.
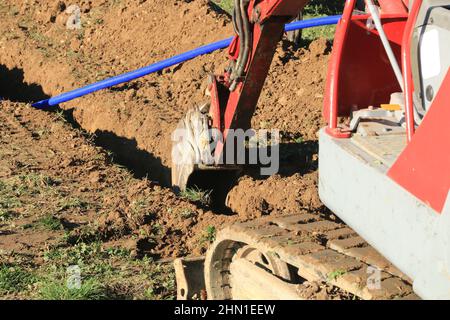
(384, 158)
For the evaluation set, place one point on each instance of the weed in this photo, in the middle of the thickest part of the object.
(197, 195)
(83, 252)
(186, 214)
(8, 200)
(14, 279)
(209, 235)
(37, 36)
(226, 5)
(88, 233)
(118, 252)
(35, 180)
(42, 133)
(57, 289)
(336, 274)
(139, 205)
(27, 226)
(157, 229)
(60, 115)
(69, 203)
(162, 283)
(6, 215)
(50, 222)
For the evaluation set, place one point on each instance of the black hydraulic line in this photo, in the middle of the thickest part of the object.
(240, 34)
(246, 40)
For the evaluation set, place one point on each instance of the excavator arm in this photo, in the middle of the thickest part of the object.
(259, 26)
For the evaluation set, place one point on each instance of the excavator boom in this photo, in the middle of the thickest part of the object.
(259, 27)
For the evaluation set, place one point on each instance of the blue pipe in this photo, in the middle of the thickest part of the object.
(311, 23)
(126, 77)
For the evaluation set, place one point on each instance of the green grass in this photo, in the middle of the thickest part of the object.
(336, 274)
(313, 8)
(324, 7)
(14, 279)
(197, 195)
(209, 235)
(50, 222)
(226, 5)
(106, 273)
(69, 203)
(57, 289)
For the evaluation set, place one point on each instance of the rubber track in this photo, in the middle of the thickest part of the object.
(324, 251)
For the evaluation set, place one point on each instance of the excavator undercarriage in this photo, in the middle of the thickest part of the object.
(300, 256)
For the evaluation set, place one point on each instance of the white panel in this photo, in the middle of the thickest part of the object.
(411, 235)
(429, 54)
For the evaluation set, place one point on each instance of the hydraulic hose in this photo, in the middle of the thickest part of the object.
(240, 26)
(246, 40)
(158, 66)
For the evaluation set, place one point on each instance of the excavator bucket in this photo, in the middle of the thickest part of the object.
(190, 146)
(193, 163)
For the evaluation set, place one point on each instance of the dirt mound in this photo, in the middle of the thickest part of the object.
(276, 195)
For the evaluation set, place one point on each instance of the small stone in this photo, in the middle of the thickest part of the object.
(61, 20)
(130, 94)
(75, 45)
(283, 100)
(95, 177)
(300, 92)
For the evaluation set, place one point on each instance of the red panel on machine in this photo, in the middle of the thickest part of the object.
(364, 72)
(423, 168)
(393, 7)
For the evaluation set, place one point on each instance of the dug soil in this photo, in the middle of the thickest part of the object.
(100, 165)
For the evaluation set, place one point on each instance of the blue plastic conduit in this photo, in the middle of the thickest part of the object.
(126, 77)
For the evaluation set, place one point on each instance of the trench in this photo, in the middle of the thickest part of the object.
(125, 152)
(122, 151)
